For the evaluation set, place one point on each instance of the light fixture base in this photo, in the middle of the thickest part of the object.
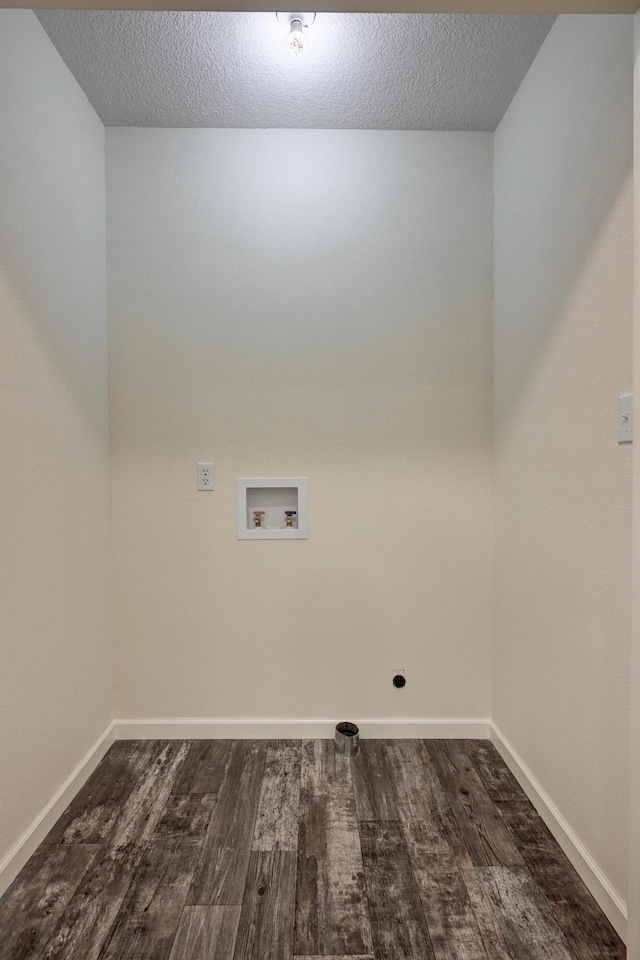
(286, 19)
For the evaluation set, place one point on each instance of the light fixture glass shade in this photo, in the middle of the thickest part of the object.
(297, 40)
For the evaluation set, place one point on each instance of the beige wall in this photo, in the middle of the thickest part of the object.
(562, 484)
(54, 568)
(301, 303)
(319, 304)
(633, 893)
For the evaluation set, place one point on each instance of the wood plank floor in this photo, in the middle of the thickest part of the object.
(282, 850)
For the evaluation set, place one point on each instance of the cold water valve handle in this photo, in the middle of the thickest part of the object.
(289, 515)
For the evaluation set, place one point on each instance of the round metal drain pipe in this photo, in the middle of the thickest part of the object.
(347, 738)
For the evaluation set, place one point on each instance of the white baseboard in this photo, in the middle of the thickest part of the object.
(599, 885)
(28, 841)
(256, 728)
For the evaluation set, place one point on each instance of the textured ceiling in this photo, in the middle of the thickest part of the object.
(375, 71)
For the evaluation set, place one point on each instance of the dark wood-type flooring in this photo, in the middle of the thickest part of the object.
(270, 850)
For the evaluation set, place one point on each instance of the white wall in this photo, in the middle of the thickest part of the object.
(562, 484)
(54, 566)
(301, 303)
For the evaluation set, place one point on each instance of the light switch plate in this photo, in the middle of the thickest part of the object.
(625, 418)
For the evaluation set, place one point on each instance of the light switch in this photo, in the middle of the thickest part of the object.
(625, 418)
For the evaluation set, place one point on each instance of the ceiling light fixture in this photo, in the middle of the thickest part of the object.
(297, 41)
(296, 24)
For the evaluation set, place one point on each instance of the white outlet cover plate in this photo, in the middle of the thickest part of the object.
(206, 476)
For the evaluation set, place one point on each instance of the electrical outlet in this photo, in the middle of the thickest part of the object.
(206, 476)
